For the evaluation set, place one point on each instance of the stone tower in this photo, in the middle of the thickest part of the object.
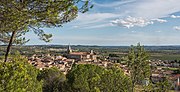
(91, 52)
(69, 50)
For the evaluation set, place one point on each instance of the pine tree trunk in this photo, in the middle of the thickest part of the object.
(132, 90)
(9, 46)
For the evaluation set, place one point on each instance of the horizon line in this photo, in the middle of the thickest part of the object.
(91, 45)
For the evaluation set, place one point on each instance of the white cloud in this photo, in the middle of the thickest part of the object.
(75, 26)
(151, 9)
(174, 16)
(176, 28)
(133, 21)
(159, 20)
(143, 13)
(95, 17)
(154, 8)
(98, 26)
(158, 31)
(93, 20)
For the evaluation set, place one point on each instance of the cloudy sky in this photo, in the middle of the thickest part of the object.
(121, 22)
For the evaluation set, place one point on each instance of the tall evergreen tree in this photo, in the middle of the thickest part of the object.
(138, 64)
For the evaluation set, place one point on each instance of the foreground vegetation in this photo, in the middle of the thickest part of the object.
(19, 76)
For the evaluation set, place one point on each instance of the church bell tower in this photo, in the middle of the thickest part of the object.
(69, 50)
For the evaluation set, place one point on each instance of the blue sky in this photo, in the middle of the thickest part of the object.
(120, 22)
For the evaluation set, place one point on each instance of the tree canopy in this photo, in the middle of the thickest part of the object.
(23, 15)
(53, 80)
(92, 78)
(32, 15)
(138, 64)
(19, 76)
(19, 38)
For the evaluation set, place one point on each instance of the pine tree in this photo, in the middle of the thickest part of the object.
(137, 61)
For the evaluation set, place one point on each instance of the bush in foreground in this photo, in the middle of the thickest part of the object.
(18, 76)
(53, 80)
(92, 78)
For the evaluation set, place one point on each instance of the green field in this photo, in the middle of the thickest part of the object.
(155, 52)
(166, 57)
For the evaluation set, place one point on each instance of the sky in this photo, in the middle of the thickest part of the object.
(120, 23)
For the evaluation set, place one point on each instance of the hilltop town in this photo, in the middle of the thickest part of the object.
(160, 68)
(66, 61)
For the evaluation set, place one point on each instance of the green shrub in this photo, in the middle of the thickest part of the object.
(53, 80)
(18, 75)
(92, 78)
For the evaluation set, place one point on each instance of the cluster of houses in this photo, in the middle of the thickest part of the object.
(47, 61)
(64, 63)
(166, 63)
(165, 69)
